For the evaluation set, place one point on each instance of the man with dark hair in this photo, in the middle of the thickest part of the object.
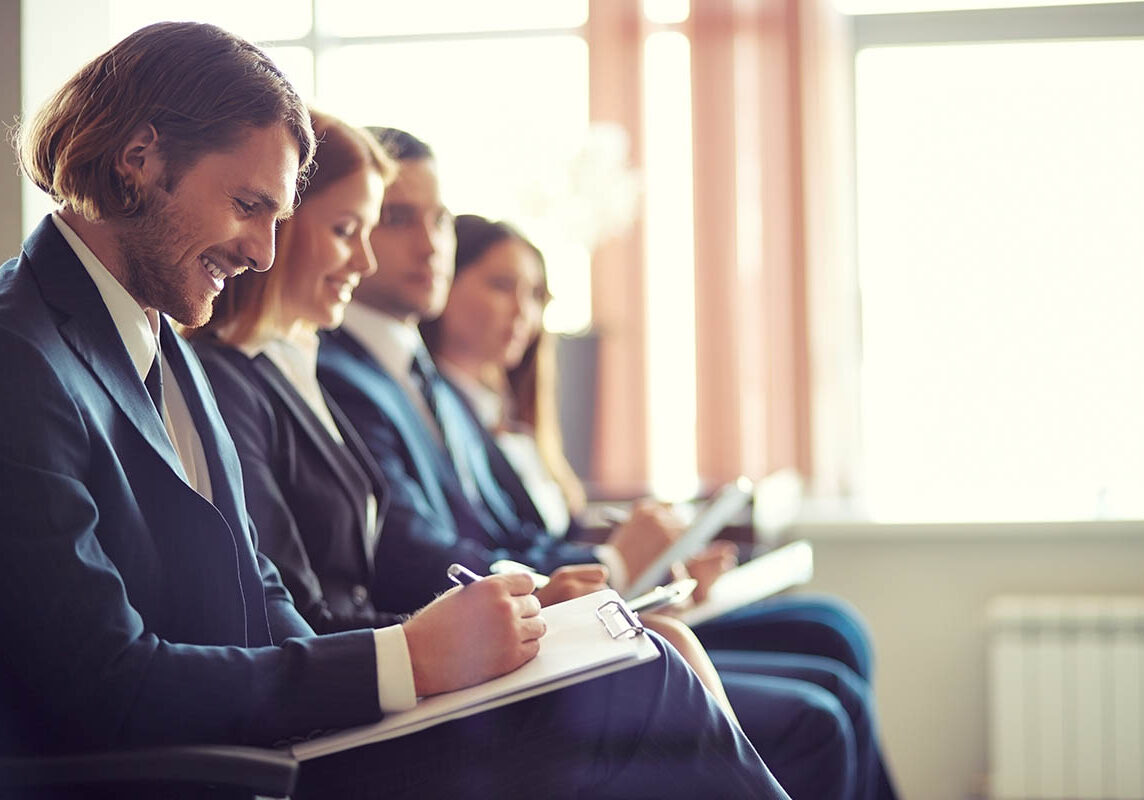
(134, 605)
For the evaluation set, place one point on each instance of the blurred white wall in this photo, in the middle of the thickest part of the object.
(924, 592)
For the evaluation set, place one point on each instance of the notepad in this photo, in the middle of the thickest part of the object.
(587, 637)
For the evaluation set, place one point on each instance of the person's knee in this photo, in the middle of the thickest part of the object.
(852, 692)
(826, 738)
(844, 626)
(822, 724)
(838, 639)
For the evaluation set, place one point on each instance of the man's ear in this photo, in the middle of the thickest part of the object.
(138, 162)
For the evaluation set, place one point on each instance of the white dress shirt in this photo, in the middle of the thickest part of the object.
(139, 330)
(393, 343)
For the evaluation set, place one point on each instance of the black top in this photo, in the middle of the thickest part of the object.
(306, 492)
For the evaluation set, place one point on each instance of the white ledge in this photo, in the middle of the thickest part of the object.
(863, 530)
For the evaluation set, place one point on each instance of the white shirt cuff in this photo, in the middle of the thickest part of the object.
(395, 690)
(610, 557)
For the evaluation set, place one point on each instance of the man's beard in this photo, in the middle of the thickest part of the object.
(149, 246)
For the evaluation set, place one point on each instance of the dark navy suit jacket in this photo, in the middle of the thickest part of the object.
(306, 492)
(135, 611)
(430, 522)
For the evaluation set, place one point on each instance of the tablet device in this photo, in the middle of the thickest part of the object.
(723, 507)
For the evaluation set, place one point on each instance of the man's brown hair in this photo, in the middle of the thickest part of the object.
(201, 88)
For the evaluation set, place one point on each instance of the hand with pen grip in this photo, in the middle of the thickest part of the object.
(649, 531)
(470, 635)
(707, 566)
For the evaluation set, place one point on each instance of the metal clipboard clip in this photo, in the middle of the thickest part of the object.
(618, 620)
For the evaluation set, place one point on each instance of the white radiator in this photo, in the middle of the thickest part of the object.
(1066, 700)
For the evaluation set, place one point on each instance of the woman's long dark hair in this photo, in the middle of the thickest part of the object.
(529, 388)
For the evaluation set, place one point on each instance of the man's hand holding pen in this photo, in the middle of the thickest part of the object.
(471, 635)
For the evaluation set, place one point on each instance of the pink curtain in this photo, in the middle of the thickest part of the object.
(758, 69)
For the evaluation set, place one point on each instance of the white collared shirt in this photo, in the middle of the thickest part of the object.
(139, 330)
(296, 356)
(393, 343)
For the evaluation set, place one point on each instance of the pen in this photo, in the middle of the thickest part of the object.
(462, 576)
(505, 566)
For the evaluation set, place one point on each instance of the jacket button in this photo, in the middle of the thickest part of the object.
(360, 595)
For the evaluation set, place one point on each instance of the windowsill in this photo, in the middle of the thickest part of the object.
(853, 530)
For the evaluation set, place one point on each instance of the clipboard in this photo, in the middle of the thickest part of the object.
(587, 637)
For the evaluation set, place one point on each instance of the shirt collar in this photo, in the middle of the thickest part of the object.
(487, 403)
(392, 342)
(139, 329)
(294, 352)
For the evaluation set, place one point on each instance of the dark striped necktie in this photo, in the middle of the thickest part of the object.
(424, 375)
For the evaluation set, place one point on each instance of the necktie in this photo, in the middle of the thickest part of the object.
(424, 375)
(154, 384)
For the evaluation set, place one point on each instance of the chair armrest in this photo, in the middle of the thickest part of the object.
(262, 771)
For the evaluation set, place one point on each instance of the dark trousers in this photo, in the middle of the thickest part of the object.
(812, 720)
(814, 625)
(651, 731)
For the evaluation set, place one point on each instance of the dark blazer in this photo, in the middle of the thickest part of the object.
(135, 611)
(430, 522)
(306, 492)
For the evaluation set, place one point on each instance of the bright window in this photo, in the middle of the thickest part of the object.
(258, 20)
(1001, 261)
(353, 18)
(670, 268)
(504, 115)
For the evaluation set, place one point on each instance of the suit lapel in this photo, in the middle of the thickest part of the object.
(340, 463)
(508, 479)
(436, 473)
(222, 459)
(225, 471)
(466, 431)
(364, 460)
(431, 457)
(86, 325)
